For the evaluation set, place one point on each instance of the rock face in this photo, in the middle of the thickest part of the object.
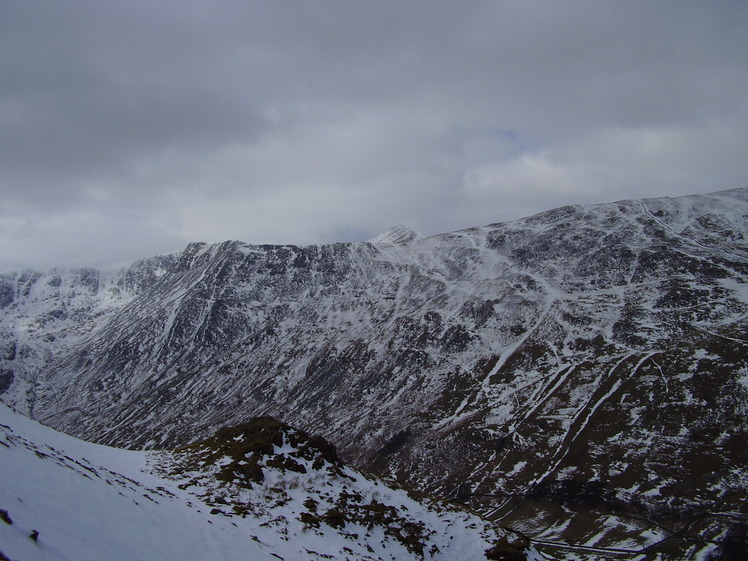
(586, 365)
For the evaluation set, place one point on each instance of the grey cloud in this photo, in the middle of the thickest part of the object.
(166, 110)
(88, 88)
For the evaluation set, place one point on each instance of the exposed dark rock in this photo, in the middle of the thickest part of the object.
(6, 379)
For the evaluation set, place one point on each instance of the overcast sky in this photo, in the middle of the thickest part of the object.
(129, 129)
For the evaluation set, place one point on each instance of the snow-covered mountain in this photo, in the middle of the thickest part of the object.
(397, 234)
(259, 491)
(580, 375)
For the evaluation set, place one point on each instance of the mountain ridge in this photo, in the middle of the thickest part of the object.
(447, 362)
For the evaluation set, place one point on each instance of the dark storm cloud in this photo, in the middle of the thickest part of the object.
(88, 87)
(295, 121)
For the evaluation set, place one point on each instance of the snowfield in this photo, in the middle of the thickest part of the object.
(84, 501)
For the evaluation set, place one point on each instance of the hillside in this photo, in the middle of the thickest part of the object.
(580, 374)
(258, 491)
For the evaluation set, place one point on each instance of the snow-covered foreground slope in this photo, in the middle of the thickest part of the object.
(65, 499)
(90, 502)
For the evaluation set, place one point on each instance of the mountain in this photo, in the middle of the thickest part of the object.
(580, 375)
(258, 491)
(398, 235)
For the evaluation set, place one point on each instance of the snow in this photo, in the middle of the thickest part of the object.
(83, 510)
(531, 297)
(738, 289)
(91, 502)
(396, 235)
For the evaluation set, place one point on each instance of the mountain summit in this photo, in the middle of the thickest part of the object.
(397, 235)
(579, 375)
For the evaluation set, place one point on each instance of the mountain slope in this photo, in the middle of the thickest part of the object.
(584, 369)
(61, 498)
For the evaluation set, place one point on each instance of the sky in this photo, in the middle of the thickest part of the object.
(131, 129)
